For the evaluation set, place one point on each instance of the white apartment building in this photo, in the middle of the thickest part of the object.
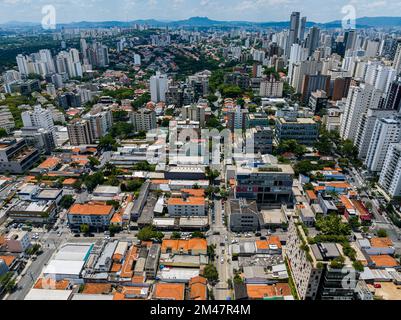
(366, 126)
(271, 88)
(39, 118)
(190, 206)
(385, 132)
(100, 120)
(390, 177)
(359, 100)
(158, 87)
(6, 119)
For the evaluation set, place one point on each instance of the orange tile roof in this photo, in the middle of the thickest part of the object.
(264, 244)
(126, 271)
(384, 260)
(69, 181)
(137, 279)
(344, 185)
(194, 192)
(97, 288)
(51, 284)
(90, 209)
(159, 181)
(185, 245)
(49, 163)
(311, 194)
(259, 291)
(169, 291)
(319, 188)
(346, 202)
(381, 242)
(191, 201)
(125, 292)
(7, 259)
(116, 267)
(117, 218)
(198, 288)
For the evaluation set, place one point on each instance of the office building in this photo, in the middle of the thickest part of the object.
(16, 156)
(268, 184)
(303, 130)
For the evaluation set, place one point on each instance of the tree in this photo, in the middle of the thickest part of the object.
(358, 266)
(113, 203)
(107, 142)
(176, 235)
(211, 252)
(332, 225)
(212, 174)
(211, 274)
(67, 201)
(354, 223)
(381, 233)
(114, 228)
(92, 181)
(197, 234)
(149, 233)
(84, 228)
(93, 162)
(3, 133)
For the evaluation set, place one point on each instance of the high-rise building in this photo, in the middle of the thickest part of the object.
(39, 118)
(194, 113)
(6, 119)
(301, 33)
(350, 39)
(397, 59)
(359, 100)
(144, 120)
(100, 120)
(393, 99)
(294, 31)
(80, 132)
(312, 41)
(271, 88)
(365, 129)
(311, 269)
(22, 65)
(158, 87)
(385, 132)
(390, 176)
(313, 83)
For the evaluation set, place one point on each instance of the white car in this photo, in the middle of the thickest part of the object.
(222, 260)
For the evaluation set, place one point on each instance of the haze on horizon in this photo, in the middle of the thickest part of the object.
(229, 10)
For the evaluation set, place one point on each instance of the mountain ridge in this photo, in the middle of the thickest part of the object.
(197, 21)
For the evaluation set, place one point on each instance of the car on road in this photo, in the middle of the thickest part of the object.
(377, 285)
(77, 235)
(222, 260)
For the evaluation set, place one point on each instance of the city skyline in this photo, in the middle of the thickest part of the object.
(238, 10)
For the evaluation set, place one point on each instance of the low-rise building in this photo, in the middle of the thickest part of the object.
(94, 215)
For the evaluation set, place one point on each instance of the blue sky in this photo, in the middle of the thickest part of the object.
(250, 10)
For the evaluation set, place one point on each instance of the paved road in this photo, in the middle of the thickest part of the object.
(221, 290)
(27, 281)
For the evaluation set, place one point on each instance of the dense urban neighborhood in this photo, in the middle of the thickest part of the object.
(200, 162)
